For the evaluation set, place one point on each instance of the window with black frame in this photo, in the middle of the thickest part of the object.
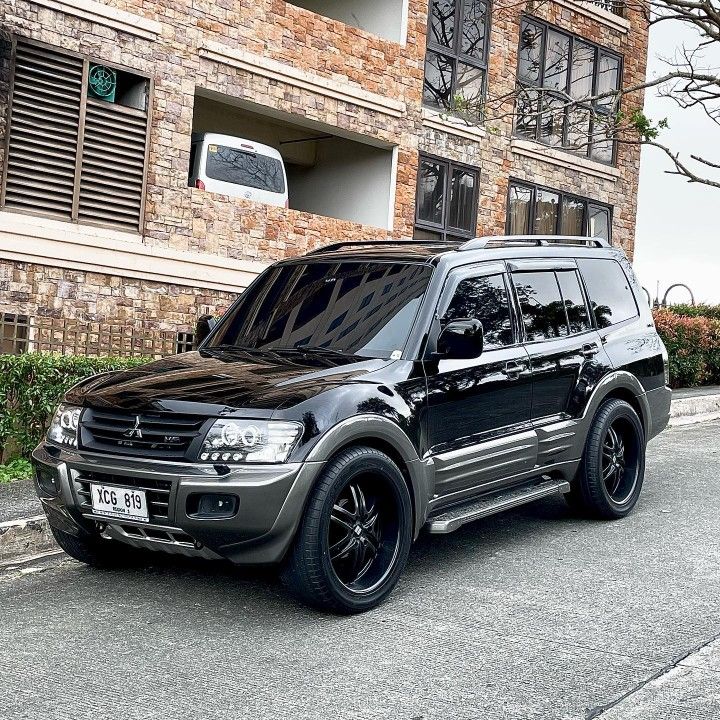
(447, 200)
(534, 210)
(456, 58)
(557, 69)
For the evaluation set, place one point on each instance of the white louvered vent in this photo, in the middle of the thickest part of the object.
(46, 104)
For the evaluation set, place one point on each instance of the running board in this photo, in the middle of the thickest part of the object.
(457, 516)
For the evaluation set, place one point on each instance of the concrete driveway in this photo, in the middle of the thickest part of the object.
(534, 614)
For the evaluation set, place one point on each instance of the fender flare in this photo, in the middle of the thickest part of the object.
(361, 428)
(623, 380)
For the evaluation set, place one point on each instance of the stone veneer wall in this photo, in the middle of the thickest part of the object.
(184, 219)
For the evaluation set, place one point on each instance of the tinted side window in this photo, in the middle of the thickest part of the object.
(611, 298)
(485, 299)
(541, 305)
(577, 312)
(244, 168)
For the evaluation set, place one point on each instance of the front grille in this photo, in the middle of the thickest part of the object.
(160, 435)
(157, 491)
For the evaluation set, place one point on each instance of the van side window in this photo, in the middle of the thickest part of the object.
(485, 299)
(611, 298)
(541, 305)
(577, 312)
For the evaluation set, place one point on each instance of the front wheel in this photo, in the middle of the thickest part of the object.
(611, 474)
(355, 536)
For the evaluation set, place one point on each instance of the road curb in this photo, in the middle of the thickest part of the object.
(694, 409)
(28, 536)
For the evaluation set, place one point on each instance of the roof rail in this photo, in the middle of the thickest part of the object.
(539, 240)
(366, 243)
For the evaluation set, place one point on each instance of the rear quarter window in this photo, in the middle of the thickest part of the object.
(611, 298)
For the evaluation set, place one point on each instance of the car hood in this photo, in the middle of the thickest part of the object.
(221, 382)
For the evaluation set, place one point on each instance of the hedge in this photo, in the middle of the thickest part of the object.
(31, 386)
(693, 344)
(712, 312)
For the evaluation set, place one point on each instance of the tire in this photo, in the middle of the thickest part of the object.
(94, 551)
(608, 483)
(355, 536)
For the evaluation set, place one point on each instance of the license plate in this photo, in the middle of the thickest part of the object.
(119, 502)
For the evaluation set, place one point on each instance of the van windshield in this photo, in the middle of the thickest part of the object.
(243, 167)
(350, 308)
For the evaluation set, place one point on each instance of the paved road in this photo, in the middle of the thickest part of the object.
(528, 615)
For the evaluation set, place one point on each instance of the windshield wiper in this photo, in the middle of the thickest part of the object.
(322, 350)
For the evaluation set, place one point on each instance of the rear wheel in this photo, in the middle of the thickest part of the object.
(94, 550)
(611, 474)
(355, 536)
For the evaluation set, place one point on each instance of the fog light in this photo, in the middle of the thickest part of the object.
(48, 481)
(212, 505)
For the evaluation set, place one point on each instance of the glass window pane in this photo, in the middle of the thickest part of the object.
(530, 51)
(486, 300)
(422, 234)
(611, 298)
(578, 130)
(557, 56)
(249, 169)
(577, 311)
(572, 214)
(474, 29)
(431, 191)
(437, 88)
(519, 210)
(469, 90)
(542, 308)
(602, 144)
(527, 112)
(552, 120)
(442, 22)
(608, 78)
(599, 222)
(546, 211)
(583, 67)
(462, 200)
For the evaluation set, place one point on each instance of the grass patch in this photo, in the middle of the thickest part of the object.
(18, 469)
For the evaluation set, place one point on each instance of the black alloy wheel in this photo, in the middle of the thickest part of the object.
(610, 477)
(355, 536)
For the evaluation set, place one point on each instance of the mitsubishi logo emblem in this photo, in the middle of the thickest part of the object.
(134, 431)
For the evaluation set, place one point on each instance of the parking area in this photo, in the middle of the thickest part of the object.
(532, 614)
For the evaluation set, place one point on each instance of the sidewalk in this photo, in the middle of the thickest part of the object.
(691, 405)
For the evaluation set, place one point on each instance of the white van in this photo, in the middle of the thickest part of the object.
(237, 167)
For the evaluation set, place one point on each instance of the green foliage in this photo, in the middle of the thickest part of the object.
(32, 385)
(707, 311)
(693, 345)
(643, 125)
(17, 469)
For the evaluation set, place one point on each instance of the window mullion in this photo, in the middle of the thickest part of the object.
(80, 141)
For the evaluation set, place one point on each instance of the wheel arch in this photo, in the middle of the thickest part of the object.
(621, 385)
(383, 435)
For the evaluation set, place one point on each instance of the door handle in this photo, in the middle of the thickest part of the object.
(589, 350)
(512, 370)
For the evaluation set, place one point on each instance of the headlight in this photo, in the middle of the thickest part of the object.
(64, 425)
(252, 441)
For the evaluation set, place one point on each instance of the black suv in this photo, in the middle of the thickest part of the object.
(357, 395)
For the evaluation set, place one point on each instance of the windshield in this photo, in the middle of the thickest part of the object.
(364, 309)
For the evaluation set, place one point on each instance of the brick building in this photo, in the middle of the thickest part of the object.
(99, 228)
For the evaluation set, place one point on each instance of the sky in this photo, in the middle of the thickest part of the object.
(678, 227)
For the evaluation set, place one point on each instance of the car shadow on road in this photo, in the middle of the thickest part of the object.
(184, 577)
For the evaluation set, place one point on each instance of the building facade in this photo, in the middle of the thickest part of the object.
(375, 108)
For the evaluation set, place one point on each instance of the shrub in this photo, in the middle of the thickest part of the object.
(32, 385)
(693, 344)
(17, 469)
(707, 311)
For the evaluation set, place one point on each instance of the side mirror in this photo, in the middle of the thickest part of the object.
(461, 339)
(203, 327)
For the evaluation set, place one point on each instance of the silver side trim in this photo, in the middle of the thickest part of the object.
(165, 539)
(456, 517)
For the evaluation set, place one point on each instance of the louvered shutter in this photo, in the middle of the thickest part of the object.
(46, 104)
(113, 164)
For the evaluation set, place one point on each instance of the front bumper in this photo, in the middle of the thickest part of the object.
(271, 499)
